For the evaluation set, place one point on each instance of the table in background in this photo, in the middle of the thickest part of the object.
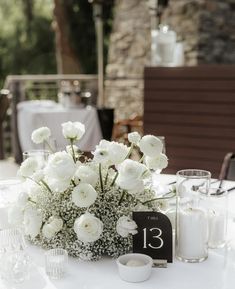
(34, 114)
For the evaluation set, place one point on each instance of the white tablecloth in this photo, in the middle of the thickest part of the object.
(210, 274)
(34, 114)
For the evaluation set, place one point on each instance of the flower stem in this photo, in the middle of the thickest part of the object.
(106, 177)
(141, 159)
(101, 180)
(73, 153)
(122, 196)
(46, 186)
(130, 151)
(114, 179)
(49, 146)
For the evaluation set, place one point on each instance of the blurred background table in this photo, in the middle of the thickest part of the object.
(34, 114)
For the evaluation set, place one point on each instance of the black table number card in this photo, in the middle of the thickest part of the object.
(154, 237)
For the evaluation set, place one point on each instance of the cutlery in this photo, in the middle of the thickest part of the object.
(195, 188)
(224, 191)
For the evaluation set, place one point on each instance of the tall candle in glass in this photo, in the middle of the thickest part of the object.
(192, 220)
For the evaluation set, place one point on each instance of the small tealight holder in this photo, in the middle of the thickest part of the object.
(134, 267)
(56, 261)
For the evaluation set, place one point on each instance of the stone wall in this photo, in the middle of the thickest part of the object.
(128, 54)
(207, 28)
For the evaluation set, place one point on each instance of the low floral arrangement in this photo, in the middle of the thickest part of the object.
(85, 205)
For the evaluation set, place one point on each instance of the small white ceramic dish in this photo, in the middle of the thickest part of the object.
(138, 273)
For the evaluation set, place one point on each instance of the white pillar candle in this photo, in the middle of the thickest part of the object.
(166, 44)
(193, 234)
(217, 228)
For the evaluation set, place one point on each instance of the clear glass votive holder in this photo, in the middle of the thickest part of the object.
(56, 261)
(191, 220)
(217, 208)
(40, 155)
(11, 240)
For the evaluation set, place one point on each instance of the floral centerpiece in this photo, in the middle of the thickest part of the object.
(85, 205)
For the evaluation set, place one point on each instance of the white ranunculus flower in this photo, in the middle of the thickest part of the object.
(117, 152)
(48, 231)
(38, 176)
(102, 153)
(84, 195)
(57, 185)
(86, 174)
(88, 228)
(159, 162)
(35, 191)
(56, 223)
(134, 137)
(22, 199)
(40, 135)
(73, 130)
(28, 167)
(130, 175)
(150, 145)
(32, 222)
(15, 215)
(126, 226)
(70, 151)
(60, 166)
(54, 226)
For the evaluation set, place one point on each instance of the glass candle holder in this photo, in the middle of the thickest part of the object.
(192, 223)
(40, 155)
(56, 263)
(217, 217)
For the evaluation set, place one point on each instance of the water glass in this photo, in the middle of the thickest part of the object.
(192, 223)
(56, 261)
(40, 155)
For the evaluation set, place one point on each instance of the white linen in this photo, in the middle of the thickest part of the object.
(34, 114)
(210, 274)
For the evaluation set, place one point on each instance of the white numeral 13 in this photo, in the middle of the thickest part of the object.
(157, 236)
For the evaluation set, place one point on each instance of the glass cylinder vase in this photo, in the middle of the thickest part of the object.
(192, 221)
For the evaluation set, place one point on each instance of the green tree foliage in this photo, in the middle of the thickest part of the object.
(26, 37)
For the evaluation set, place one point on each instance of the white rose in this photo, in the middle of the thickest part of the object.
(151, 145)
(15, 215)
(60, 166)
(88, 228)
(159, 162)
(102, 153)
(84, 195)
(117, 152)
(73, 130)
(126, 226)
(130, 175)
(48, 231)
(40, 135)
(38, 176)
(32, 222)
(86, 175)
(134, 137)
(28, 167)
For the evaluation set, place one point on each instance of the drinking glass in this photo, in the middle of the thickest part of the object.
(15, 262)
(56, 263)
(40, 155)
(192, 223)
